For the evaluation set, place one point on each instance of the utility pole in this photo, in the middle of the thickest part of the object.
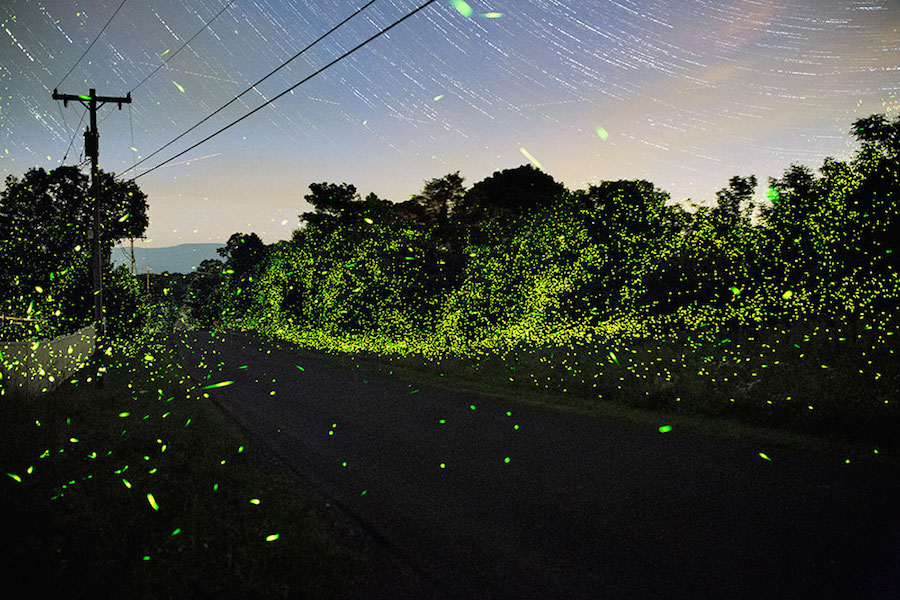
(92, 102)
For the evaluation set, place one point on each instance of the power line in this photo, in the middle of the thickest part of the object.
(252, 86)
(165, 62)
(61, 114)
(58, 85)
(74, 133)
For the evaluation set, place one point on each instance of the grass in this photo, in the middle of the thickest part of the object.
(826, 388)
(78, 517)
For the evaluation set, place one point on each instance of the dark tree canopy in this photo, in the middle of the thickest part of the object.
(625, 206)
(46, 217)
(877, 132)
(735, 202)
(56, 207)
(439, 196)
(518, 191)
(242, 252)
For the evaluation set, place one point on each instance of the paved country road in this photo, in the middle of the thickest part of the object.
(584, 507)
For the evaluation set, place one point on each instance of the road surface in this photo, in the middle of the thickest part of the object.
(481, 497)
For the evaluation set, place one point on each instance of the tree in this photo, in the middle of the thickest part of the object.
(878, 135)
(242, 253)
(55, 211)
(511, 192)
(439, 196)
(45, 219)
(734, 204)
(625, 207)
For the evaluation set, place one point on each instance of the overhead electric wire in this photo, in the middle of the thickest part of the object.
(63, 115)
(92, 43)
(165, 62)
(74, 133)
(252, 86)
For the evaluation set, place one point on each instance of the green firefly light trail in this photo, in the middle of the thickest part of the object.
(217, 385)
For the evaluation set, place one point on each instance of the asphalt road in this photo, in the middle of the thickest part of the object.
(584, 507)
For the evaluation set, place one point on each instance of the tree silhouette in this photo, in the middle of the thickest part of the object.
(734, 204)
(46, 218)
(511, 192)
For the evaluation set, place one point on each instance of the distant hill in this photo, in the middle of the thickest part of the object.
(183, 258)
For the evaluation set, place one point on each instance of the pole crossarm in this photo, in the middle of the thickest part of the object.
(82, 98)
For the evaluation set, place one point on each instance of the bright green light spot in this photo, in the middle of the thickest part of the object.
(735, 290)
(531, 158)
(124, 414)
(506, 460)
(124, 217)
(217, 385)
(368, 220)
(442, 421)
(773, 195)
(127, 483)
(787, 295)
(152, 501)
(471, 407)
(16, 477)
(254, 500)
(164, 53)
(177, 531)
(83, 97)
(492, 15)
(180, 89)
(763, 455)
(301, 368)
(463, 8)
(363, 493)
(146, 558)
(272, 538)
(665, 429)
(436, 98)
(604, 135)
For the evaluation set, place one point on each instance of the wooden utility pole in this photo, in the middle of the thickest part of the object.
(92, 102)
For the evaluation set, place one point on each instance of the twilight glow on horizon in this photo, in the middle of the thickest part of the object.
(684, 94)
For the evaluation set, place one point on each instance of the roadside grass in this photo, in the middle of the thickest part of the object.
(827, 388)
(145, 489)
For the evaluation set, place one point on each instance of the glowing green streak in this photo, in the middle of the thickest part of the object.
(16, 477)
(762, 454)
(665, 429)
(217, 385)
(463, 8)
(180, 89)
(531, 158)
(152, 501)
(272, 538)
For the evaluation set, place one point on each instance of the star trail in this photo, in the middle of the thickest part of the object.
(685, 94)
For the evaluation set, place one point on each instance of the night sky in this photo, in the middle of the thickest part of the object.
(683, 93)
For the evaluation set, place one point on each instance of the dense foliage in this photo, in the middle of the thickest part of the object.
(45, 226)
(519, 260)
